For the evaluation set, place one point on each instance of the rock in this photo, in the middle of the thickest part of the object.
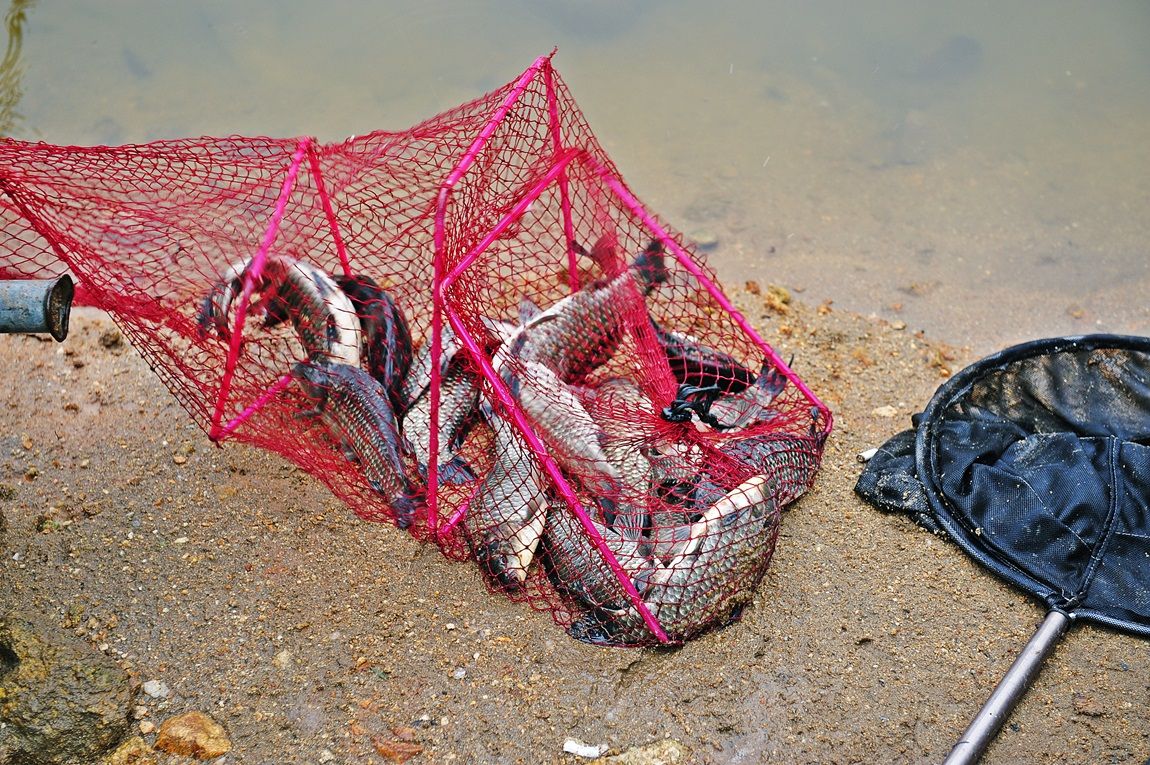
(157, 689)
(133, 751)
(112, 340)
(665, 752)
(60, 701)
(193, 734)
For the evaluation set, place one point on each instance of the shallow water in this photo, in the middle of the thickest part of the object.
(976, 171)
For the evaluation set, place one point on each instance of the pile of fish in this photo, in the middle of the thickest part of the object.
(686, 498)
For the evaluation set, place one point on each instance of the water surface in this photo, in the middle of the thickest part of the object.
(979, 171)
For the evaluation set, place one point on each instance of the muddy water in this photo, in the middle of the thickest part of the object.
(977, 171)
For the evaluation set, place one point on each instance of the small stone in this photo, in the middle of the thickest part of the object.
(396, 751)
(326, 756)
(139, 712)
(179, 459)
(282, 660)
(885, 411)
(157, 689)
(26, 442)
(899, 325)
(581, 749)
(459, 673)
(193, 734)
(31, 473)
(112, 339)
(147, 726)
(705, 239)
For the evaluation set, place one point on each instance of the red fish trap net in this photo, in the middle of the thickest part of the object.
(471, 329)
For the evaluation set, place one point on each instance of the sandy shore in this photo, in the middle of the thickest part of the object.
(254, 595)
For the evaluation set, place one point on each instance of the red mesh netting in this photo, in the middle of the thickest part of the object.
(470, 328)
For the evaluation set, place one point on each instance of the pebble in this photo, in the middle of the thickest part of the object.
(580, 749)
(326, 756)
(459, 673)
(157, 689)
(705, 239)
(885, 411)
(147, 726)
(282, 660)
(193, 734)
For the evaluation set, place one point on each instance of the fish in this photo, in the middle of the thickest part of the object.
(458, 399)
(555, 349)
(751, 406)
(791, 461)
(708, 582)
(386, 338)
(505, 520)
(580, 332)
(216, 307)
(577, 569)
(356, 410)
(573, 439)
(417, 381)
(696, 364)
(322, 315)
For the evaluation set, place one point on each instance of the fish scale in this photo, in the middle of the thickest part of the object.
(578, 570)
(354, 407)
(727, 551)
(505, 520)
(458, 399)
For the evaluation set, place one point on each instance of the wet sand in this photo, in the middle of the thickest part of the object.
(242, 584)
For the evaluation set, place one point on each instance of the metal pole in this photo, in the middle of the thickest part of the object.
(1010, 689)
(36, 305)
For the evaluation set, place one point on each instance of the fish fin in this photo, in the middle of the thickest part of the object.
(609, 510)
(404, 508)
(456, 471)
(528, 310)
(651, 265)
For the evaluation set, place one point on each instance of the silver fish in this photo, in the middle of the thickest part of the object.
(578, 570)
(709, 581)
(505, 520)
(752, 406)
(418, 378)
(458, 399)
(386, 337)
(355, 408)
(580, 332)
(322, 315)
(791, 461)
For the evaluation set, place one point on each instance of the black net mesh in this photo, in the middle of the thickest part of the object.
(1037, 462)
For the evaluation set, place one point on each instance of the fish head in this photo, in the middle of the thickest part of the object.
(598, 627)
(313, 379)
(501, 564)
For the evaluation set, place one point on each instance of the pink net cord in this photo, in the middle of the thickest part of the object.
(586, 416)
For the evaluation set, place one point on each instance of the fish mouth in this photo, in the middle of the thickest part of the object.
(597, 627)
(497, 562)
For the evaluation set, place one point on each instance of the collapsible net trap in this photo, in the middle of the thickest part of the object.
(470, 328)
